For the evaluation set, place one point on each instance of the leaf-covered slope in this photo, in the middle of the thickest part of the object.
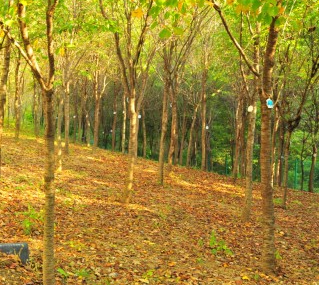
(188, 232)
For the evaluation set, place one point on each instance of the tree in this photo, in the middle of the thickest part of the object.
(3, 86)
(138, 14)
(271, 15)
(46, 83)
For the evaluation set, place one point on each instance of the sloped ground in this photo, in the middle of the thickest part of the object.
(188, 232)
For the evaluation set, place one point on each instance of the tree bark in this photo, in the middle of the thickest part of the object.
(190, 142)
(312, 168)
(144, 133)
(36, 110)
(114, 117)
(17, 98)
(239, 133)
(127, 195)
(268, 261)
(286, 167)
(59, 132)
(174, 134)
(163, 132)
(123, 140)
(181, 147)
(3, 88)
(49, 215)
(203, 115)
(97, 106)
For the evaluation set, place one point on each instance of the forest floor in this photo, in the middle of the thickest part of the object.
(187, 232)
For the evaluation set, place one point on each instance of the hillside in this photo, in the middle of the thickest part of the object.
(187, 232)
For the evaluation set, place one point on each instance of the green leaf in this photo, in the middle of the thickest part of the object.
(171, 3)
(155, 10)
(154, 25)
(165, 33)
(178, 31)
(256, 4)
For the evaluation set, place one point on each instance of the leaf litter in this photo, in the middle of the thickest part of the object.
(187, 232)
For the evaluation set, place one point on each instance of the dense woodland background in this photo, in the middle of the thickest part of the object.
(88, 74)
(181, 82)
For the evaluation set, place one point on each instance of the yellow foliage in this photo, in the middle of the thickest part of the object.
(138, 13)
(242, 9)
(209, 3)
(230, 2)
(180, 5)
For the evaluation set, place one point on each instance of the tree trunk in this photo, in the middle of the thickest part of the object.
(36, 110)
(127, 195)
(59, 132)
(280, 158)
(286, 167)
(181, 148)
(246, 212)
(172, 146)
(275, 151)
(203, 115)
(67, 117)
(144, 133)
(17, 98)
(87, 127)
(123, 141)
(239, 133)
(163, 133)
(75, 116)
(312, 168)
(97, 101)
(268, 261)
(49, 190)
(81, 115)
(3, 88)
(114, 118)
(190, 142)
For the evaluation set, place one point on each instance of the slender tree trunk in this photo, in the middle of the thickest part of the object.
(96, 113)
(181, 149)
(274, 145)
(172, 146)
(114, 118)
(124, 123)
(132, 149)
(75, 116)
(163, 132)
(17, 98)
(312, 168)
(81, 114)
(67, 117)
(286, 168)
(48, 236)
(3, 89)
(87, 127)
(246, 212)
(144, 133)
(190, 142)
(238, 140)
(59, 132)
(36, 110)
(203, 115)
(280, 155)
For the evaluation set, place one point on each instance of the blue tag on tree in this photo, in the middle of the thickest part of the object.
(270, 103)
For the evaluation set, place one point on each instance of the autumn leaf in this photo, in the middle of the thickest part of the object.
(209, 3)
(138, 13)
